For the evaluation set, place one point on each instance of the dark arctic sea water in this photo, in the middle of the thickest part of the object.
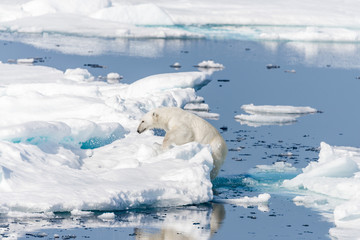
(325, 78)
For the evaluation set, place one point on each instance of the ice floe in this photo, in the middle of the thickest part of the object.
(160, 19)
(74, 139)
(335, 180)
(271, 115)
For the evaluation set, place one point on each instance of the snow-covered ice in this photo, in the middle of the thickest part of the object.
(271, 114)
(335, 180)
(74, 139)
(275, 20)
(276, 109)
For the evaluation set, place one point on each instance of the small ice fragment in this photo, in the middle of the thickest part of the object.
(26, 60)
(290, 71)
(107, 216)
(261, 201)
(209, 64)
(287, 154)
(176, 65)
(114, 76)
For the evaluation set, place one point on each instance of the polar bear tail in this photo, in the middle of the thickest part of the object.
(219, 152)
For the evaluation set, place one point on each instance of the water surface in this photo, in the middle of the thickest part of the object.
(325, 78)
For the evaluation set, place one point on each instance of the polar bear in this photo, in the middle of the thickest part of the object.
(182, 127)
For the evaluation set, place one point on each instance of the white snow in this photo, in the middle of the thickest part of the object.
(336, 178)
(271, 114)
(69, 143)
(259, 20)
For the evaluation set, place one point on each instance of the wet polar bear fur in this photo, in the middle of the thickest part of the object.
(183, 127)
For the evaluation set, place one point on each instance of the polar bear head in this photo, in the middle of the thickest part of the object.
(149, 121)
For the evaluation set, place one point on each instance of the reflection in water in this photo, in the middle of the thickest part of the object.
(185, 222)
(318, 54)
(178, 230)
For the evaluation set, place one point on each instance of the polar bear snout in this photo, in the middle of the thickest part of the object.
(141, 128)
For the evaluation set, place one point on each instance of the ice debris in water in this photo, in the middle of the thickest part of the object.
(276, 167)
(209, 64)
(176, 65)
(271, 114)
(261, 201)
(114, 76)
(107, 216)
(335, 177)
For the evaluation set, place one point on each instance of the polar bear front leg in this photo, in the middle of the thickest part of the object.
(177, 136)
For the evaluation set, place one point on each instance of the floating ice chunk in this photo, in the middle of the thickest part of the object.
(271, 115)
(176, 65)
(333, 163)
(107, 216)
(261, 201)
(261, 120)
(336, 175)
(209, 64)
(166, 81)
(25, 60)
(114, 76)
(277, 109)
(276, 167)
(79, 75)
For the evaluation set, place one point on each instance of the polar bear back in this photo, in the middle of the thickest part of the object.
(173, 117)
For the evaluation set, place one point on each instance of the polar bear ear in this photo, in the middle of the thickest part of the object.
(155, 115)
